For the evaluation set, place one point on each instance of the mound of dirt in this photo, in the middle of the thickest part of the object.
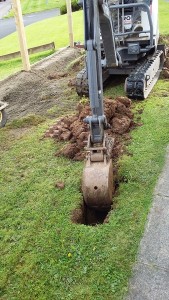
(73, 129)
(42, 88)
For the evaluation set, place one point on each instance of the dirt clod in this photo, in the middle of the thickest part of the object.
(73, 129)
(69, 151)
(121, 125)
(166, 73)
(124, 100)
(166, 67)
(60, 185)
(56, 75)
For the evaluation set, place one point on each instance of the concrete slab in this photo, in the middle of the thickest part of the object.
(154, 247)
(153, 284)
(151, 273)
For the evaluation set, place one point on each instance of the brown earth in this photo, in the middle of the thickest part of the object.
(165, 71)
(49, 84)
(72, 129)
(44, 87)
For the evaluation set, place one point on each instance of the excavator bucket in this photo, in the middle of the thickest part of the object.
(97, 179)
(97, 185)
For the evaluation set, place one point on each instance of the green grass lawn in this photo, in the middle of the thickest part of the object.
(43, 254)
(50, 30)
(54, 29)
(30, 6)
(163, 16)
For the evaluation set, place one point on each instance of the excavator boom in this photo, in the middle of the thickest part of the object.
(97, 182)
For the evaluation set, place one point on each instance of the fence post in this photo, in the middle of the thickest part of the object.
(21, 34)
(70, 23)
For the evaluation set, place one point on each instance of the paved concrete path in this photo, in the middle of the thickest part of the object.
(151, 274)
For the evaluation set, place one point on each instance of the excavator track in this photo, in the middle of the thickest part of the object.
(82, 87)
(141, 81)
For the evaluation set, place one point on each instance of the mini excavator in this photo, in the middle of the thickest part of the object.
(121, 37)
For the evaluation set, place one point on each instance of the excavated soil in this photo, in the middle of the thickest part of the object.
(45, 86)
(73, 130)
(165, 72)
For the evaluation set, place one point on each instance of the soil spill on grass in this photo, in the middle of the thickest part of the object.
(74, 131)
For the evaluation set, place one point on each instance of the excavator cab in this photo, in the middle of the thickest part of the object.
(129, 34)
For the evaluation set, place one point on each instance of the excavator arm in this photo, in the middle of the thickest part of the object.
(97, 122)
(97, 182)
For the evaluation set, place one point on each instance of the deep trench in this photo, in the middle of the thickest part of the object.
(94, 217)
(90, 217)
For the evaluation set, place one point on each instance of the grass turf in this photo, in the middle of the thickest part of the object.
(31, 6)
(54, 29)
(44, 255)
